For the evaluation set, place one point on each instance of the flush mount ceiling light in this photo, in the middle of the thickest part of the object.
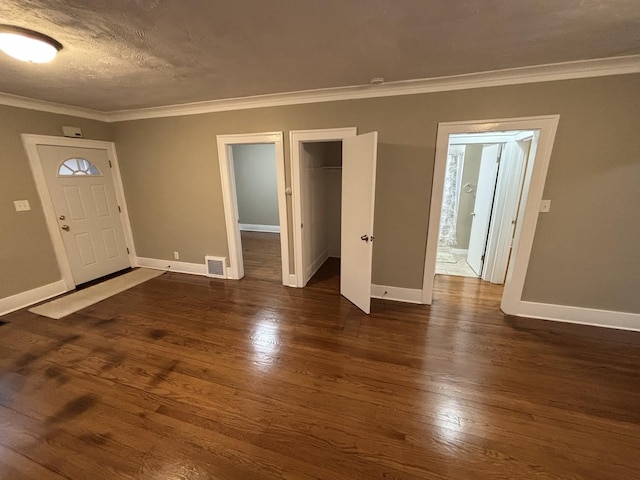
(27, 45)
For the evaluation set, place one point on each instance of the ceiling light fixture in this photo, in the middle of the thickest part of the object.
(27, 45)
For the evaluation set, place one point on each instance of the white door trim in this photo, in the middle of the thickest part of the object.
(31, 143)
(525, 230)
(296, 139)
(230, 200)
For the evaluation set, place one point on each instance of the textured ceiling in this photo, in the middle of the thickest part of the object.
(124, 54)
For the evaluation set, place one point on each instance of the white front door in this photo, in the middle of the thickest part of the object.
(485, 190)
(81, 187)
(359, 156)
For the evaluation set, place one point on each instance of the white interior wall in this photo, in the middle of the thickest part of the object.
(333, 203)
(314, 232)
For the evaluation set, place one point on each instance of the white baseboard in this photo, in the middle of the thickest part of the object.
(25, 299)
(334, 253)
(460, 251)
(250, 227)
(582, 316)
(407, 295)
(172, 266)
(293, 280)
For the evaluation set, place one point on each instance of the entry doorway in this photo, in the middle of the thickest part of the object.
(528, 207)
(80, 188)
(253, 190)
(483, 183)
(333, 180)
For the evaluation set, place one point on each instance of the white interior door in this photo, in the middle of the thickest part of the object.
(505, 210)
(489, 163)
(359, 156)
(81, 187)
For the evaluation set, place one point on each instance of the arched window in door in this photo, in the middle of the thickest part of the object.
(77, 166)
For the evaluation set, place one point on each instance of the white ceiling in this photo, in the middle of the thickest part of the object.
(127, 54)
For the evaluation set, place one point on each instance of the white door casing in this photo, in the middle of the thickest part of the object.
(359, 156)
(483, 206)
(111, 236)
(300, 196)
(230, 200)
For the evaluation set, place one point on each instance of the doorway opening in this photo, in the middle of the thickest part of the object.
(253, 190)
(321, 203)
(483, 183)
(333, 180)
(499, 250)
(255, 174)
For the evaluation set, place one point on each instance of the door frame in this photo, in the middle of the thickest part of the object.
(547, 126)
(296, 139)
(31, 143)
(230, 199)
(507, 196)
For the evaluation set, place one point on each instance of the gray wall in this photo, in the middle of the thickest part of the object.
(586, 250)
(256, 183)
(27, 260)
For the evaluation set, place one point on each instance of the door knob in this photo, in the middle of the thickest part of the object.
(65, 228)
(364, 238)
(62, 217)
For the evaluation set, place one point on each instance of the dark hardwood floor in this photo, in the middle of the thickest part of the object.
(261, 255)
(190, 378)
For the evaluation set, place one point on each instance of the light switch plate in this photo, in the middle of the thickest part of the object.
(22, 205)
(545, 205)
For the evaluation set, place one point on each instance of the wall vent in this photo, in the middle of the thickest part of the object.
(216, 266)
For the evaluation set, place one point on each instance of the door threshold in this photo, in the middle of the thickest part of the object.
(91, 283)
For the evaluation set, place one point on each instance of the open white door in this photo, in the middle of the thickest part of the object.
(359, 156)
(489, 163)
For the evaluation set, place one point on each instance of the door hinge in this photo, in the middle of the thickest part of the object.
(127, 249)
(482, 258)
(302, 225)
(110, 166)
(119, 209)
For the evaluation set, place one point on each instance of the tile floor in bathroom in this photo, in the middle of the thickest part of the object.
(460, 268)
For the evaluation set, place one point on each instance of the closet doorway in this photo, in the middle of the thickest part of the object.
(333, 180)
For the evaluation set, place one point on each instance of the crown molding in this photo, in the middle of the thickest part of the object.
(514, 76)
(50, 107)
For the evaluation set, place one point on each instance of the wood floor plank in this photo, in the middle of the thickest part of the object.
(189, 377)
